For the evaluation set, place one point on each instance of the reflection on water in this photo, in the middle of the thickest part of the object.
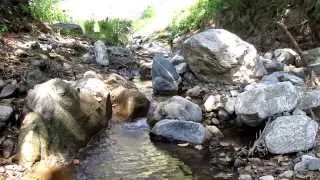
(126, 152)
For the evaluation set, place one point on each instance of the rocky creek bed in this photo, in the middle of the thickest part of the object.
(216, 109)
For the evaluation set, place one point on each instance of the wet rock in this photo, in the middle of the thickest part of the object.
(245, 177)
(178, 108)
(286, 56)
(269, 177)
(287, 174)
(212, 103)
(215, 131)
(255, 105)
(218, 55)
(5, 113)
(87, 58)
(92, 74)
(307, 162)
(129, 104)
(181, 130)
(289, 134)
(282, 77)
(165, 79)
(100, 52)
(8, 90)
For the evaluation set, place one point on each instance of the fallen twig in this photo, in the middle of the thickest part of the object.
(260, 138)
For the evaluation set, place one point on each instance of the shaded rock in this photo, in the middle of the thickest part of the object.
(179, 108)
(5, 113)
(313, 57)
(181, 130)
(63, 119)
(218, 55)
(119, 56)
(255, 105)
(165, 79)
(8, 90)
(129, 104)
(289, 134)
(36, 77)
(269, 177)
(2, 84)
(215, 131)
(223, 115)
(100, 52)
(282, 77)
(196, 91)
(212, 103)
(68, 28)
(286, 56)
(7, 147)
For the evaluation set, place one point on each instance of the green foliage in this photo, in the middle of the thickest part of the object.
(46, 10)
(3, 28)
(112, 31)
(199, 14)
(146, 17)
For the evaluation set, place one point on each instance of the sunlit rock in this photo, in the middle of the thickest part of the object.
(100, 52)
(218, 55)
(288, 134)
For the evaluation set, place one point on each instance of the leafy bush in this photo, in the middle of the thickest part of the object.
(3, 28)
(112, 31)
(196, 17)
(46, 10)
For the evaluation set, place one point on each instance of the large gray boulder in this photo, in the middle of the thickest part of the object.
(178, 108)
(288, 134)
(165, 79)
(181, 130)
(218, 55)
(63, 117)
(255, 105)
(5, 113)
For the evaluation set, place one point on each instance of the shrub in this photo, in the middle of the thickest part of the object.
(112, 31)
(196, 17)
(46, 10)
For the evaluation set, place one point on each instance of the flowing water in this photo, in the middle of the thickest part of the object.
(126, 152)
